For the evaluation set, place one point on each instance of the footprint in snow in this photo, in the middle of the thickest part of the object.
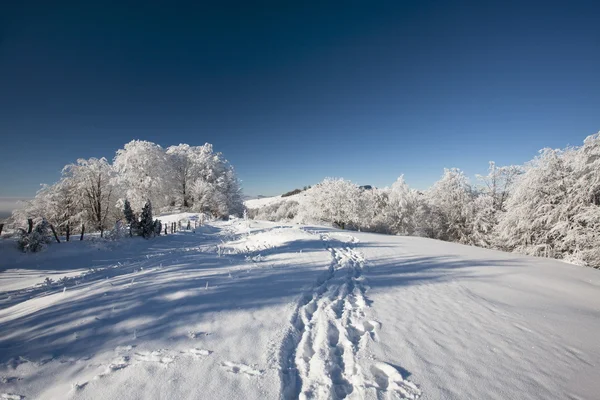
(389, 380)
(200, 352)
(11, 396)
(240, 368)
(118, 364)
(79, 386)
(154, 356)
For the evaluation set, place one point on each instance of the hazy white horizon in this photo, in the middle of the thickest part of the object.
(8, 204)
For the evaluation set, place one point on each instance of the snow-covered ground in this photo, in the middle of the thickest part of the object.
(262, 202)
(257, 310)
(267, 201)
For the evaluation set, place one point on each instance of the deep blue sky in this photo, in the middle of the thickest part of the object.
(292, 94)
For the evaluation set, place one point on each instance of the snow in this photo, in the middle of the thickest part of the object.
(262, 202)
(250, 309)
(267, 201)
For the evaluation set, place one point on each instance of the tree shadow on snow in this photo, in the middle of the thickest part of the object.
(142, 299)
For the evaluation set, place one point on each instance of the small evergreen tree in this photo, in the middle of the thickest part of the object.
(146, 221)
(157, 227)
(130, 218)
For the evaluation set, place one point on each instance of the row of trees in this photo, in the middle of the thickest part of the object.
(548, 207)
(92, 192)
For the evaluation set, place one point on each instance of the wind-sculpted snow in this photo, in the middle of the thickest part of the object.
(257, 310)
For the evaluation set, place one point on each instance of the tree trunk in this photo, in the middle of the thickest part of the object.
(30, 225)
(101, 232)
(54, 233)
(68, 231)
(1, 226)
(82, 231)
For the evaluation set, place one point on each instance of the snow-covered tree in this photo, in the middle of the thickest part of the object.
(333, 200)
(539, 205)
(400, 210)
(187, 164)
(93, 181)
(451, 197)
(498, 183)
(143, 173)
(583, 239)
(204, 180)
(554, 210)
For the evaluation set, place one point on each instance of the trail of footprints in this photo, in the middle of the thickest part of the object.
(126, 356)
(319, 358)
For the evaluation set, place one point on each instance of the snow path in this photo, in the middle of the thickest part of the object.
(320, 355)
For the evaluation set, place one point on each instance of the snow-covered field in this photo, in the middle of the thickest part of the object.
(258, 310)
(268, 201)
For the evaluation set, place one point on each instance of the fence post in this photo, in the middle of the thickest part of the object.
(54, 233)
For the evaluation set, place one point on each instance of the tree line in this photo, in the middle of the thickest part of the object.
(548, 207)
(93, 192)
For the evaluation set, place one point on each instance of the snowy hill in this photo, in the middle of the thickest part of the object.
(262, 202)
(267, 311)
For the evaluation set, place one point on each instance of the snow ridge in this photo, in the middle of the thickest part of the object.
(320, 355)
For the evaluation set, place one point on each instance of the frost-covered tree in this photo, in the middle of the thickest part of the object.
(498, 183)
(451, 197)
(142, 173)
(204, 180)
(583, 237)
(189, 164)
(59, 204)
(93, 181)
(554, 209)
(333, 200)
(538, 205)
(400, 210)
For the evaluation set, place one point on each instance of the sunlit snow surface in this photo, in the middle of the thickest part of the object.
(256, 310)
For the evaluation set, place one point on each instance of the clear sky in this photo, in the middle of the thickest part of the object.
(293, 93)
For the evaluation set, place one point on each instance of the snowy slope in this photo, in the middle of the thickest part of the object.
(267, 201)
(261, 310)
(262, 202)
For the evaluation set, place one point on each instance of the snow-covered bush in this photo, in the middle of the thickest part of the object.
(119, 231)
(37, 240)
